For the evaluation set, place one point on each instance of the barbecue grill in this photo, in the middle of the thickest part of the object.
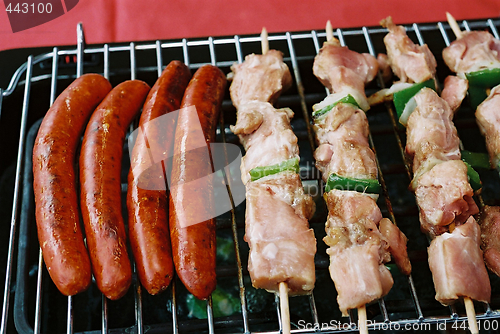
(32, 304)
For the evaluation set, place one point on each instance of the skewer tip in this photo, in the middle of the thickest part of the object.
(454, 25)
(264, 41)
(329, 31)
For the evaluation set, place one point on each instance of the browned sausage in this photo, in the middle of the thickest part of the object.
(57, 213)
(193, 246)
(147, 209)
(100, 166)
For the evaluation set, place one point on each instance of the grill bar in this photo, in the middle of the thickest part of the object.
(185, 51)
(302, 97)
(175, 323)
(466, 25)
(104, 315)
(69, 321)
(300, 88)
(106, 61)
(210, 316)
(80, 36)
(494, 30)
(38, 303)
(234, 227)
(17, 190)
(444, 34)
(417, 32)
(79, 72)
(138, 306)
(159, 58)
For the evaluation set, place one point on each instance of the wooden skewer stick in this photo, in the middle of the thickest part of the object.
(469, 306)
(285, 311)
(454, 26)
(329, 31)
(471, 315)
(264, 42)
(362, 319)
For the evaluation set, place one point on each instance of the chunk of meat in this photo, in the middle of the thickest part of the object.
(474, 51)
(488, 119)
(457, 266)
(489, 220)
(397, 245)
(340, 69)
(410, 62)
(288, 187)
(260, 77)
(282, 247)
(358, 276)
(357, 249)
(343, 144)
(454, 91)
(444, 196)
(348, 207)
(266, 135)
(431, 135)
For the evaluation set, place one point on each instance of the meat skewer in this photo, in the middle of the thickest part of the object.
(281, 258)
(480, 47)
(283, 286)
(443, 191)
(344, 153)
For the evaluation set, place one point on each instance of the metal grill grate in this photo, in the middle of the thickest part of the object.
(413, 307)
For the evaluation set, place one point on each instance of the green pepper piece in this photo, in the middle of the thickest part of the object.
(402, 97)
(476, 160)
(474, 179)
(346, 183)
(479, 82)
(486, 78)
(346, 99)
(477, 95)
(290, 164)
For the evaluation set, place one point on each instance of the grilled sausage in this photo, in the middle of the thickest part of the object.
(57, 213)
(147, 209)
(100, 166)
(193, 246)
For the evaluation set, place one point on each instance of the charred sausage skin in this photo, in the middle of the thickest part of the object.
(100, 166)
(54, 183)
(194, 246)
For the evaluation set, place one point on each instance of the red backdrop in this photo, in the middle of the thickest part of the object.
(136, 20)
